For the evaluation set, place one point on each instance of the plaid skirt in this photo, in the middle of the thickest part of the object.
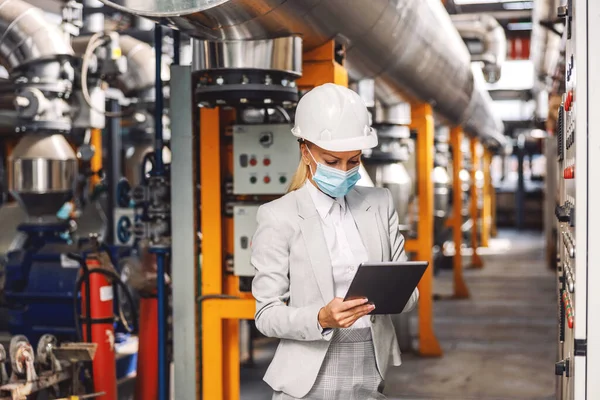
(349, 370)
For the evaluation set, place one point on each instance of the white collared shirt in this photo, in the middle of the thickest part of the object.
(346, 249)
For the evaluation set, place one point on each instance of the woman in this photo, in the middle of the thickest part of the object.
(306, 250)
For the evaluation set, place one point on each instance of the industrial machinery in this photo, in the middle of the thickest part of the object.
(50, 371)
(249, 69)
(57, 84)
(577, 156)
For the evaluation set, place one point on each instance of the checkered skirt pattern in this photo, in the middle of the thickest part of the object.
(349, 371)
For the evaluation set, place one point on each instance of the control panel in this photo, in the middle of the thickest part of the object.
(265, 159)
(577, 214)
(244, 226)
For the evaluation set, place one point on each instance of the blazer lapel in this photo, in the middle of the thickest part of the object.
(316, 246)
(366, 222)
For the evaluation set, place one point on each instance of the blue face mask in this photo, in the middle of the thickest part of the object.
(332, 181)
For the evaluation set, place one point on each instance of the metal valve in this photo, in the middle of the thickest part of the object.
(22, 358)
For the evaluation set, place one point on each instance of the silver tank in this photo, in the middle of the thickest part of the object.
(42, 170)
(394, 177)
(441, 191)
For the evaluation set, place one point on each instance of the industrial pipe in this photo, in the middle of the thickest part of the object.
(409, 47)
(27, 37)
(545, 44)
(485, 29)
(141, 73)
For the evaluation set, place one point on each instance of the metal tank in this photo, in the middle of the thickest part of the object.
(441, 191)
(395, 177)
(385, 165)
(409, 47)
(42, 170)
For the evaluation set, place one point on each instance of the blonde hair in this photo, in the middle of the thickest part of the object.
(300, 176)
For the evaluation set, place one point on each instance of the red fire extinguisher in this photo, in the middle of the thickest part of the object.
(98, 326)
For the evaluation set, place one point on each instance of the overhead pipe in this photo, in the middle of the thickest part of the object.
(409, 47)
(545, 43)
(27, 37)
(485, 29)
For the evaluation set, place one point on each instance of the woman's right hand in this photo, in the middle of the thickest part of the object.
(343, 314)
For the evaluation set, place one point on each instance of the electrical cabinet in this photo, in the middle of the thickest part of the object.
(244, 226)
(265, 159)
(578, 216)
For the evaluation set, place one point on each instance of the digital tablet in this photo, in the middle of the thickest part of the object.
(387, 285)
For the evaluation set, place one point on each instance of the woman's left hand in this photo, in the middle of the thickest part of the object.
(343, 314)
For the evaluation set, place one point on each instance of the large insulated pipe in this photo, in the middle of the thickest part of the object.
(485, 29)
(545, 44)
(409, 47)
(26, 36)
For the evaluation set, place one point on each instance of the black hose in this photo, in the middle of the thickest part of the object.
(117, 282)
(88, 307)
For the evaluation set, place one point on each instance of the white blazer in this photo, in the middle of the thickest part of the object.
(294, 281)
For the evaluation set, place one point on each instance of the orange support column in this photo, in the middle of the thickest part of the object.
(212, 250)
(486, 218)
(476, 261)
(460, 287)
(422, 122)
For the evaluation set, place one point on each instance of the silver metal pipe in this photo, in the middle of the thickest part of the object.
(409, 47)
(485, 29)
(545, 44)
(140, 73)
(26, 36)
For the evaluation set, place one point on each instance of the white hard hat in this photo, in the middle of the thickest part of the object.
(334, 118)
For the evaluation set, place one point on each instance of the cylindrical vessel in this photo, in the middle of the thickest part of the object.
(41, 171)
(441, 191)
(394, 177)
(102, 330)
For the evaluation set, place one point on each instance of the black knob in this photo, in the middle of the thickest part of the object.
(562, 11)
(561, 214)
(560, 368)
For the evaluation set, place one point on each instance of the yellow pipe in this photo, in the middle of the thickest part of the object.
(476, 261)
(422, 122)
(460, 287)
(493, 227)
(96, 161)
(487, 200)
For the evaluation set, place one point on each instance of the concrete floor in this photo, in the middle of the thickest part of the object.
(499, 344)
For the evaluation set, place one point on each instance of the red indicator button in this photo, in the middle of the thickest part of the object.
(266, 179)
(569, 101)
(267, 162)
(569, 172)
(253, 161)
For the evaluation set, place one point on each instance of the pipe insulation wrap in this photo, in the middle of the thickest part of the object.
(545, 44)
(409, 47)
(26, 36)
